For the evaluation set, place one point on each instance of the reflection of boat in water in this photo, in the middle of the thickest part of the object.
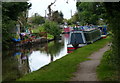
(85, 36)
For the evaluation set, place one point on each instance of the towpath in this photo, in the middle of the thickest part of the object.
(87, 70)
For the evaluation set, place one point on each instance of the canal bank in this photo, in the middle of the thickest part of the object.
(22, 60)
(63, 69)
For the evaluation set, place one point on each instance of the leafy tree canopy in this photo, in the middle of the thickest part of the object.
(10, 13)
(52, 28)
(57, 17)
(113, 18)
(90, 12)
(37, 19)
(13, 9)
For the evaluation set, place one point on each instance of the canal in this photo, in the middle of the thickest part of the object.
(20, 61)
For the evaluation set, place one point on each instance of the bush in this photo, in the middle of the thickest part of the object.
(107, 70)
(38, 20)
(52, 28)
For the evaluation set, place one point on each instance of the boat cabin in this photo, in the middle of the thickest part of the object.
(84, 35)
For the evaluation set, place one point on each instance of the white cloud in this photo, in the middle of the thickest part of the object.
(39, 6)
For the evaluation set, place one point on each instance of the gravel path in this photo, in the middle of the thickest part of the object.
(87, 70)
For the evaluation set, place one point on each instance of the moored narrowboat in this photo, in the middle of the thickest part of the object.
(84, 35)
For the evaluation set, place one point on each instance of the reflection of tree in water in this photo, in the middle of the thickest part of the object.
(38, 47)
(15, 64)
(51, 48)
(54, 48)
(9, 67)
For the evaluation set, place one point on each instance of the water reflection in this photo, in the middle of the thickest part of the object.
(45, 55)
(20, 61)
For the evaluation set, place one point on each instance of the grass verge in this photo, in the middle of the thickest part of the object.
(63, 69)
(107, 71)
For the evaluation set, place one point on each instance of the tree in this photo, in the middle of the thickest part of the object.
(37, 19)
(61, 14)
(50, 10)
(113, 18)
(90, 12)
(57, 17)
(10, 13)
(22, 20)
(74, 19)
(52, 28)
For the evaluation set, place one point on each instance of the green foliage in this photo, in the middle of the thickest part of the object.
(6, 30)
(113, 12)
(110, 65)
(22, 19)
(49, 36)
(37, 20)
(52, 45)
(40, 29)
(16, 36)
(74, 19)
(69, 21)
(61, 14)
(63, 69)
(10, 14)
(57, 17)
(52, 28)
(89, 12)
(10, 67)
(13, 9)
(107, 71)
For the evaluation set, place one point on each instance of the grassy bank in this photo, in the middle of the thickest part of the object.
(107, 71)
(63, 69)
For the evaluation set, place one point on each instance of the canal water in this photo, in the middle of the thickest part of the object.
(20, 61)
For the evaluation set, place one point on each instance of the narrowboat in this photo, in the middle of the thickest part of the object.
(66, 29)
(26, 38)
(84, 35)
(103, 30)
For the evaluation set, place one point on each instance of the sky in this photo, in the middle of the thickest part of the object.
(39, 6)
